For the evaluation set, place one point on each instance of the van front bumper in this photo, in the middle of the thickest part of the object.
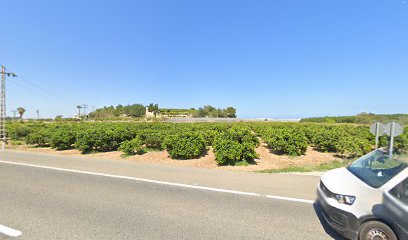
(341, 221)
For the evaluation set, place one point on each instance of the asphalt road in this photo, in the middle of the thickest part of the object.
(53, 197)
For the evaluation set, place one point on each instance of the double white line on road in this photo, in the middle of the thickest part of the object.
(159, 182)
(9, 231)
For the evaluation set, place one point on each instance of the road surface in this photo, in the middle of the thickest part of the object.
(54, 197)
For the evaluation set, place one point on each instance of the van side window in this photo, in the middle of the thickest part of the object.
(401, 191)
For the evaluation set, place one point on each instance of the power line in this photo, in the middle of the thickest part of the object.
(46, 93)
(31, 90)
(41, 89)
(21, 85)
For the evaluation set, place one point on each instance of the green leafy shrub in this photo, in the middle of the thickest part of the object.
(132, 147)
(286, 138)
(226, 150)
(186, 145)
(153, 139)
(353, 147)
(17, 131)
(235, 145)
(62, 138)
(39, 138)
(327, 140)
(287, 141)
(94, 139)
(248, 141)
(209, 136)
(401, 143)
(103, 138)
(337, 140)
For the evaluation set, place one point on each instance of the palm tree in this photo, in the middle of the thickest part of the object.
(21, 111)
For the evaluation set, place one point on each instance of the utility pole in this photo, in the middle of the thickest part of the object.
(79, 111)
(84, 106)
(3, 132)
(3, 109)
(38, 114)
(14, 114)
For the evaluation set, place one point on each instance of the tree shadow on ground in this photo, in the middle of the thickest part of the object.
(203, 154)
(251, 162)
(271, 151)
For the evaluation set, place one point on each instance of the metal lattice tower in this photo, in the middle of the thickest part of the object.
(3, 132)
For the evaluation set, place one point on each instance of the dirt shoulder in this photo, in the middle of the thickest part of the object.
(267, 159)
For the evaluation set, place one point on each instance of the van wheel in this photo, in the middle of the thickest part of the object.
(375, 230)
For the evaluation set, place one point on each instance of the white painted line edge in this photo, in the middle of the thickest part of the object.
(290, 199)
(133, 178)
(9, 231)
(159, 182)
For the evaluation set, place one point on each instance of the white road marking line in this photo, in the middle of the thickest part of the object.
(134, 178)
(160, 182)
(290, 199)
(9, 231)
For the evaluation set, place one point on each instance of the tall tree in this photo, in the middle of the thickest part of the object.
(21, 111)
(219, 113)
(135, 110)
(153, 108)
(201, 112)
(231, 112)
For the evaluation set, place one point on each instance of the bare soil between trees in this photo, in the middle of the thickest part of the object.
(267, 160)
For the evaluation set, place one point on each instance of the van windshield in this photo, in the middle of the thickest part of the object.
(375, 168)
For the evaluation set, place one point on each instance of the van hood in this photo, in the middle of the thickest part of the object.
(342, 181)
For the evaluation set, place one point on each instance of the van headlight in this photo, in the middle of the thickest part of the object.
(345, 199)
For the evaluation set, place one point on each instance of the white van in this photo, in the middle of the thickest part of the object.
(368, 199)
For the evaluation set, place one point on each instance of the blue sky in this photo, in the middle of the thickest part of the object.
(275, 58)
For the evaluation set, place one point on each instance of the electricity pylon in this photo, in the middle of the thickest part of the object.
(3, 132)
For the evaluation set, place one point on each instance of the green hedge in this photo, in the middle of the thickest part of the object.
(185, 145)
(235, 145)
(39, 138)
(63, 138)
(284, 138)
(132, 147)
(287, 141)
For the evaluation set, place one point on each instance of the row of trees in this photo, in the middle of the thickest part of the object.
(210, 111)
(134, 110)
(231, 143)
(361, 118)
(293, 138)
(139, 110)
